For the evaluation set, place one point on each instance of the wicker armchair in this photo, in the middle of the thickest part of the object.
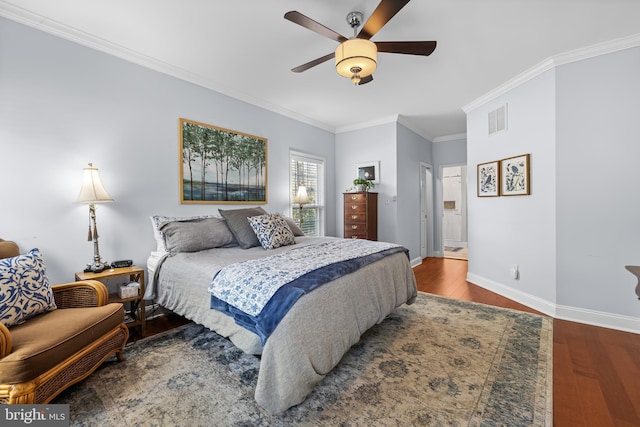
(51, 351)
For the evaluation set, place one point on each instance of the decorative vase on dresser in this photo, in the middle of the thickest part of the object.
(361, 215)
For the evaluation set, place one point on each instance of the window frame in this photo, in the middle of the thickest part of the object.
(320, 200)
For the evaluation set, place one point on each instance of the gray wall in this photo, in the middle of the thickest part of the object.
(376, 143)
(63, 105)
(412, 149)
(598, 207)
(504, 231)
(577, 230)
(400, 151)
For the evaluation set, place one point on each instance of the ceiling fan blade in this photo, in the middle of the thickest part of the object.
(365, 80)
(383, 13)
(313, 63)
(409, 48)
(300, 19)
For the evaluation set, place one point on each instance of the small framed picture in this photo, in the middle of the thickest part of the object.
(369, 171)
(514, 176)
(489, 179)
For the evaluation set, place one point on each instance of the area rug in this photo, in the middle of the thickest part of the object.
(437, 362)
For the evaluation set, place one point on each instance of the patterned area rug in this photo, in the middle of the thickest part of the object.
(438, 362)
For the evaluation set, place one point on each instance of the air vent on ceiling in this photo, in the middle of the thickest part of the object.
(498, 120)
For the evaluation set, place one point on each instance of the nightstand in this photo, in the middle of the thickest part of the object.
(135, 314)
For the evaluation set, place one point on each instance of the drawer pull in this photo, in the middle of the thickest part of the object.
(354, 237)
(354, 227)
(354, 197)
(354, 207)
(354, 216)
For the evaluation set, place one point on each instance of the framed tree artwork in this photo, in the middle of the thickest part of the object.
(514, 176)
(219, 165)
(489, 179)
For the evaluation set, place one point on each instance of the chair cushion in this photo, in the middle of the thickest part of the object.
(24, 288)
(47, 339)
(8, 249)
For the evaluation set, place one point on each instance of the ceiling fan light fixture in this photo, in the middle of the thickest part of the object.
(359, 54)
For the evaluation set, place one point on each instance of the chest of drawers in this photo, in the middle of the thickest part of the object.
(361, 215)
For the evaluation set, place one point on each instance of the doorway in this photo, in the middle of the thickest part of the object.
(454, 217)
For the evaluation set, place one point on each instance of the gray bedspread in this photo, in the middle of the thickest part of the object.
(315, 334)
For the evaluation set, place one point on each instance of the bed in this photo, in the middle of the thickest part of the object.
(315, 333)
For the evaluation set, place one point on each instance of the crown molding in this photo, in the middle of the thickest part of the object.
(555, 61)
(446, 138)
(371, 123)
(398, 118)
(72, 34)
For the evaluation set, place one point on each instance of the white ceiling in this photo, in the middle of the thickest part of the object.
(245, 48)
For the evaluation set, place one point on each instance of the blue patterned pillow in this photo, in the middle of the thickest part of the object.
(272, 231)
(24, 288)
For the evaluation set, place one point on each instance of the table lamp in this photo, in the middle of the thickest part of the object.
(301, 198)
(92, 192)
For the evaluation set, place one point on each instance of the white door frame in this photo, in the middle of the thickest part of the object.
(426, 210)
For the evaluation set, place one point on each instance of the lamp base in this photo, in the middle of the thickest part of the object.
(97, 267)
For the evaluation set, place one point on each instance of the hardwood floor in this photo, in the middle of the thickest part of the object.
(596, 371)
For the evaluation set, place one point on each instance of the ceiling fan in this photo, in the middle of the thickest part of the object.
(356, 58)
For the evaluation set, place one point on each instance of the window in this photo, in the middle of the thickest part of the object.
(307, 170)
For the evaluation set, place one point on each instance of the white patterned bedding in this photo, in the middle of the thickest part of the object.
(249, 285)
(313, 336)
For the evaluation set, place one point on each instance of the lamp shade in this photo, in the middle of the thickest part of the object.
(92, 190)
(302, 198)
(356, 54)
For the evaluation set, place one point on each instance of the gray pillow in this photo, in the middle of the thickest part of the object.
(293, 226)
(240, 227)
(196, 235)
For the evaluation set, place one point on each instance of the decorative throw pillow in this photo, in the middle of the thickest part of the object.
(272, 231)
(196, 235)
(24, 288)
(158, 220)
(239, 226)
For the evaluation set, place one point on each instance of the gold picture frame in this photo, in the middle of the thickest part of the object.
(219, 165)
(515, 177)
(489, 179)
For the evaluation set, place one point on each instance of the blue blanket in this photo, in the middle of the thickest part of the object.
(266, 317)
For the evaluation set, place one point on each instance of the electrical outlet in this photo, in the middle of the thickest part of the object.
(515, 271)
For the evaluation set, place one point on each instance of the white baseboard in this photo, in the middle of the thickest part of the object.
(574, 314)
(532, 301)
(415, 262)
(599, 318)
(455, 243)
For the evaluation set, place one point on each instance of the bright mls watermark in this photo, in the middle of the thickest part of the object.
(35, 415)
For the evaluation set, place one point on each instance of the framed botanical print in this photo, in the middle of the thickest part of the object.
(514, 176)
(489, 179)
